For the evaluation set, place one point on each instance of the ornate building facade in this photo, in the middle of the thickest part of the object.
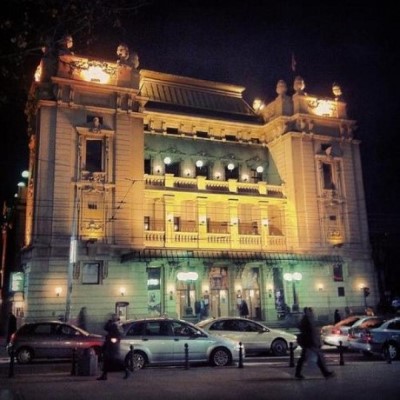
(153, 194)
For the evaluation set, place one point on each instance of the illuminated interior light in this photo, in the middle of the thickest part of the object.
(95, 74)
(187, 276)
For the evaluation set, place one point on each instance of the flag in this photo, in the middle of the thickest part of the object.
(293, 63)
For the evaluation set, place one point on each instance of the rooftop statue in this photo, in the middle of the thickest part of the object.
(281, 88)
(65, 45)
(299, 85)
(337, 91)
(125, 58)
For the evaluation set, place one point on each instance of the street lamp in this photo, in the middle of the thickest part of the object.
(294, 277)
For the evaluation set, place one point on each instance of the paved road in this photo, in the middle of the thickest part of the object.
(369, 380)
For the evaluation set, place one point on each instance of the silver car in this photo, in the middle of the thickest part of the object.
(383, 339)
(51, 339)
(168, 341)
(334, 335)
(256, 337)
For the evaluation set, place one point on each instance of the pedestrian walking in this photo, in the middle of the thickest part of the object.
(82, 318)
(111, 346)
(11, 326)
(310, 343)
(336, 316)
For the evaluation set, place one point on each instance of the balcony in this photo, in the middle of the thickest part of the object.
(215, 235)
(200, 183)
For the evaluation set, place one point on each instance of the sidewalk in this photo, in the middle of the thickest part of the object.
(371, 380)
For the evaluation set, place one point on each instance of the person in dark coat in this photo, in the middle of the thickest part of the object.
(11, 326)
(243, 309)
(309, 341)
(337, 317)
(111, 346)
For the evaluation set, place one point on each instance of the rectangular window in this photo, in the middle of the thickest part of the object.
(91, 273)
(153, 290)
(340, 291)
(202, 134)
(147, 166)
(92, 206)
(327, 176)
(146, 223)
(94, 155)
(337, 272)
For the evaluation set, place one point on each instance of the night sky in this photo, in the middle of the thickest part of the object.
(250, 43)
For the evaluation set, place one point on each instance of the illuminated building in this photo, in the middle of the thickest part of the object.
(149, 192)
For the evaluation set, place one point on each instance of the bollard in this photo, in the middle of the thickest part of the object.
(11, 367)
(291, 355)
(186, 356)
(131, 365)
(240, 355)
(341, 360)
(73, 369)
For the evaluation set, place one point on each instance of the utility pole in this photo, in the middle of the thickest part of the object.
(73, 247)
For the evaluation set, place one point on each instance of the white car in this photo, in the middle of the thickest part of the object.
(256, 337)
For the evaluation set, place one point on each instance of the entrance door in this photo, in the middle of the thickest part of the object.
(219, 303)
(252, 297)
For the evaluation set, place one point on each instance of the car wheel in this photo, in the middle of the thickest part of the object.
(220, 357)
(279, 347)
(24, 355)
(390, 351)
(139, 360)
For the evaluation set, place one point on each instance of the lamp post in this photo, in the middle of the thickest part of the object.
(294, 277)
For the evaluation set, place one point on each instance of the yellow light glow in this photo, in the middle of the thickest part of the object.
(38, 73)
(95, 74)
(322, 107)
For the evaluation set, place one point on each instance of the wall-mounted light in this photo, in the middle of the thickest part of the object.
(231, 166)
(217, 176)
(187, 172)
(234, 221)
(199, 163)
(258, 105)
(260, 169)
(202, 220)
(21, 184)
(58, 291)
(320, 287)
(122, 291)
(167, 160)
(245, 177)
(171, 295)
(25, 174)
(265, 222)
(170, 217)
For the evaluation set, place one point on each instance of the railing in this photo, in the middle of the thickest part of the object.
(200, 183)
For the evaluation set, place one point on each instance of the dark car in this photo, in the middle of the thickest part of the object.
(51, 339)
(168, 341)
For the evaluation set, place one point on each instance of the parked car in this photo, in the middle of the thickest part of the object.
(163, 341)
(356, 334)
(332, 335)
(51, 339)
(384, 339)
(255, 336)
